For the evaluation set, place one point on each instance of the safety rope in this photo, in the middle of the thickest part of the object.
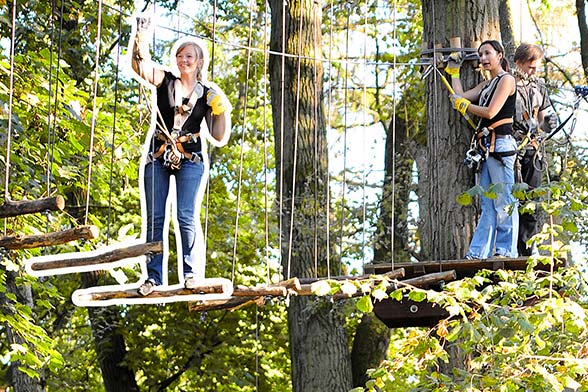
(242, 143)
(393, 181)
(10, 100)
(94, 111)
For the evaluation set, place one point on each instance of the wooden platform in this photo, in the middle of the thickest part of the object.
(407, 313)
(463, 268)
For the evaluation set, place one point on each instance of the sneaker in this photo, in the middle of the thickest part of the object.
(499, 256)
(192, 282)
(146, 288)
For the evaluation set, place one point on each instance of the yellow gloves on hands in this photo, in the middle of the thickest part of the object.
(453, 65)
(459, 103)
(216, 102)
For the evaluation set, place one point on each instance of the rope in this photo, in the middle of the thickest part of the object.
(265, 152)
(242, 154)
(295, 152)
(393, 182)
(113, 140)
(94, 111)
(10, 99)
(328, 179)
(364, 169)
(344, 177)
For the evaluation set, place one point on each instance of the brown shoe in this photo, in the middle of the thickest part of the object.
(146, 288)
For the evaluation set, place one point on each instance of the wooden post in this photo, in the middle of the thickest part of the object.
(14, 208)
(57, 238)
(99, 259)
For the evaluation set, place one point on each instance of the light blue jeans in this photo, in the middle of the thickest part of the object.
(157, 183)
(499, 222)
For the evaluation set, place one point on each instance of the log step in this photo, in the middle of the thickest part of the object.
(88, 261)
(14, 208)
(211, 289)
(49, 239)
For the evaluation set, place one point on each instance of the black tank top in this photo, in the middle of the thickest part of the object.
(506, 111)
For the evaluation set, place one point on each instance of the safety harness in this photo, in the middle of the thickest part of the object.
(172, 150)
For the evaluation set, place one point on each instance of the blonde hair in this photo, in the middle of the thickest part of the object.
(199, 54)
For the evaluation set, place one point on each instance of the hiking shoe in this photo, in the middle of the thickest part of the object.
(146, 288)
(192, 283)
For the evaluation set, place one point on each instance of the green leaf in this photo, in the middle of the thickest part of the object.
(464, 199)
(417, 296)
(365, 304)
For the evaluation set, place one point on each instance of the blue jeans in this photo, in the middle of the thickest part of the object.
(157, 184)
(499, 221)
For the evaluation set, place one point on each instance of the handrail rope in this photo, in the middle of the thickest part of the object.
(316, 161)
(328, 180)
(435, 172)
(295, 152)
(344, 176)
(94, 111)
(213, 41)
(393, 180)
(242, 152)
(10, 99)
(117, 73)
(265, 152)
(364, 152)
(282, 105)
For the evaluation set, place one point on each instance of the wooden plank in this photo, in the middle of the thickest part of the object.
(463, 268)
(49, 239)
(407, 313)
(97, 259)
(14, 208)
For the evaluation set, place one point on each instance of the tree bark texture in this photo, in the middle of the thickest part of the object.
(318, 342)
(19, 380)
(446, 227)
(392, 223)
(110, 344)
(370, 347)
(506, 30)
(583, 26)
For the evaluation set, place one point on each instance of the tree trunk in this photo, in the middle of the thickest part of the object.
(583, 26)
(370, 347)
(110, 345)
(318, 342)
(506, 30)
(446, 227)
(19, 380)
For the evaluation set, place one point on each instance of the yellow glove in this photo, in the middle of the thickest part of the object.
(453, 65)
(216, 102)
(459, 103)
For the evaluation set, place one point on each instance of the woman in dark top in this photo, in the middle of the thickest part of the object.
(496, 233)
(176, 149)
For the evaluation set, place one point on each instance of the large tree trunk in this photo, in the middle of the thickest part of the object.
(370, 347)
(506, 30)
(19, 380)
(110, 345)
(318, 342)
(583, 26)
(446, 227)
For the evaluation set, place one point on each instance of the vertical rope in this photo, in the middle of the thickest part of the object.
(113, 140)
(329, 102)
(344, 179)
(241, 158)
(265, 144)
(10, 100)
(296, 129)
(94, 110)
(282, 97)
(393, 180)
(364, 132)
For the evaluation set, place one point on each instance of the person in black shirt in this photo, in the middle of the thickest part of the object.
(184, 101)
(493, 101)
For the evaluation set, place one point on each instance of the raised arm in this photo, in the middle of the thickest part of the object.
(141, 57)
(218, 118)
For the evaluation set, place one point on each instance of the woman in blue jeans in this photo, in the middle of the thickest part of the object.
(176, 149)
(493, 101)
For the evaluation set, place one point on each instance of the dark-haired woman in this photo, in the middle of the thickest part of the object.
(493, 101)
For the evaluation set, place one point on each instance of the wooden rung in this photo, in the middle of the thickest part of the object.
(232, 303)
(396, 274)
(210, 289)
(97, 259)
(275, 291)
(49, 239)
(14, 208)
(426, 280)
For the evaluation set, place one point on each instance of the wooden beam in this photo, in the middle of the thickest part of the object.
(14, 208)
(395, 274)
(231, 304)
(49, 239)
(99, 259)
